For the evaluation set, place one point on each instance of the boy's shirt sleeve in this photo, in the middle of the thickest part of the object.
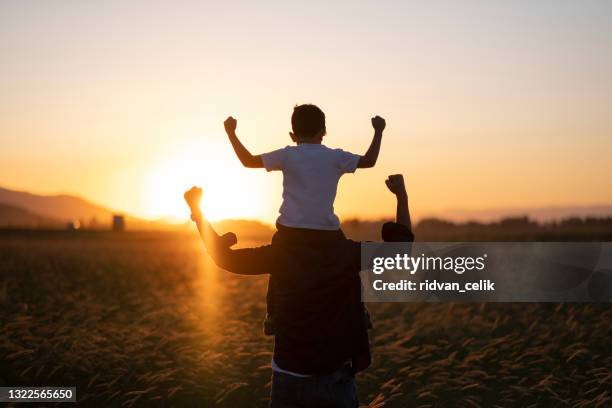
(347, 162)
(274, 160)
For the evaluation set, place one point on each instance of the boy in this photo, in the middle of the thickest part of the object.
(311, 172)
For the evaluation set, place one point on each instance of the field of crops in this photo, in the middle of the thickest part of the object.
(146, 319)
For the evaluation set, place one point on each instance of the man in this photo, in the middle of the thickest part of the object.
(321, 337)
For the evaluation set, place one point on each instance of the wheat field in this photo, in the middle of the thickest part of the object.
(145, 319)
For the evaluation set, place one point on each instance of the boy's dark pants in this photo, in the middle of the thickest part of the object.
(330, 391)
(268, 324)
(281, 230)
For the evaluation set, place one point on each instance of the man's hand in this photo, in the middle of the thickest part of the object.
(230, 125)
(193, 197)
(395, 183)
(378, 123)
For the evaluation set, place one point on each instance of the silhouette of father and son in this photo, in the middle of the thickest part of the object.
(314, 305)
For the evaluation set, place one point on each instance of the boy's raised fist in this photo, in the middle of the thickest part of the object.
(378, 123)
(230, 124)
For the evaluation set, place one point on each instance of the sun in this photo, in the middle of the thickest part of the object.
(230, 191)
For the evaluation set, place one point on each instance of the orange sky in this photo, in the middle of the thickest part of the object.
(492, 104)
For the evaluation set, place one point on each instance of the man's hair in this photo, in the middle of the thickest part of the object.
(308, 121)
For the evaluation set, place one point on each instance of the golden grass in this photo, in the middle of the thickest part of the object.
(146, 319)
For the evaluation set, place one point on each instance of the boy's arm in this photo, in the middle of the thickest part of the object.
(369, 159)
(395, 183)
(245, 157)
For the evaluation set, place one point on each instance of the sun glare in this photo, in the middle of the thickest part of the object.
(230, 191)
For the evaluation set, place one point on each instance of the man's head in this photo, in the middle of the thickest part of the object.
(308, 123)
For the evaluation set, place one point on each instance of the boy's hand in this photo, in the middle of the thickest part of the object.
(193, 197)
(378, 123)
(230, 125)
(395, 183)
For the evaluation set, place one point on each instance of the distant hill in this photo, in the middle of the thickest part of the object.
(60, 207)
(11, 216)
(26, 210)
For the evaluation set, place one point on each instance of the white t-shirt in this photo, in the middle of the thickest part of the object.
(310, 179)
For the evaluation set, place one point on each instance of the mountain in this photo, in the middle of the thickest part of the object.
(26, 210)
(11, 216)
(62, 207)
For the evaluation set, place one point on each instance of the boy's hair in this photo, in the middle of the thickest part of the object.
(308, 121)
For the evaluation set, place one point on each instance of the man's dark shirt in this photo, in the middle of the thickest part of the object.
(319, 316)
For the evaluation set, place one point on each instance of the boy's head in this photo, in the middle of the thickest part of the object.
(308, 123)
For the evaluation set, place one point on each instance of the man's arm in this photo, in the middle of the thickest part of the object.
(218, 247)
(245, 157)
(395, 183)
(246, 261)
(369, 159)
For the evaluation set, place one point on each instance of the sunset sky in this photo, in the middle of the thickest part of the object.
(488, 104)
